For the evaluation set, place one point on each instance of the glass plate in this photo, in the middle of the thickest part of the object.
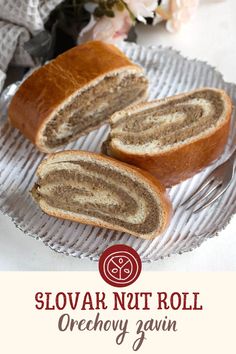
(169, 73)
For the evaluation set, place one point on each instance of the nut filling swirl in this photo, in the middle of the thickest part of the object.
(95, 190)
(91, 108)
(168, 123)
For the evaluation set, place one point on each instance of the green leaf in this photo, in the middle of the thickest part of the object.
(120, 5)
(109, 13)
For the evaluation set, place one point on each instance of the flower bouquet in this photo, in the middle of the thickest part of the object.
(112, 20)
(77, 21)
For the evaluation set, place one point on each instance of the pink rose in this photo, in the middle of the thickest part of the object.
(181, 12)
(142, 8)
(108, 29)
(176, 12)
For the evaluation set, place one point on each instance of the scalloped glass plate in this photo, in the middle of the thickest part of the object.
(169, 73)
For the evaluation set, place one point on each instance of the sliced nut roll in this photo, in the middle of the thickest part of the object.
(172, 138)
(75, 93)
(93, 189)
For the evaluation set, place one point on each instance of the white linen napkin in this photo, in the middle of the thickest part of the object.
(19, 20)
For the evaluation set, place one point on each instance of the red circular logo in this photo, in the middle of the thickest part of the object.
(120, 265)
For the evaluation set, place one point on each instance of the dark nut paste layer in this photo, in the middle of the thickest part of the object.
(95, 190)
(172, 122)
(93, 107)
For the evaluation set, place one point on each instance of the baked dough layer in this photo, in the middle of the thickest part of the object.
(168, 123)
(92, 189)
(75, 93)
(172, 138)
(93, 107)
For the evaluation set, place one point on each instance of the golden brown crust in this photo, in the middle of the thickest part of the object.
(155, 185)
(176, 165)
(48, 87)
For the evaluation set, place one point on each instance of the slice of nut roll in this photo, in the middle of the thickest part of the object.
(75, 93)
(172, 138)
(93, 189)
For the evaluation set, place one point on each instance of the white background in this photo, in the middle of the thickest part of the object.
(210, 36)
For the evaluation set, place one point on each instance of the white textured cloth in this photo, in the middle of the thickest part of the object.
(19, 20)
